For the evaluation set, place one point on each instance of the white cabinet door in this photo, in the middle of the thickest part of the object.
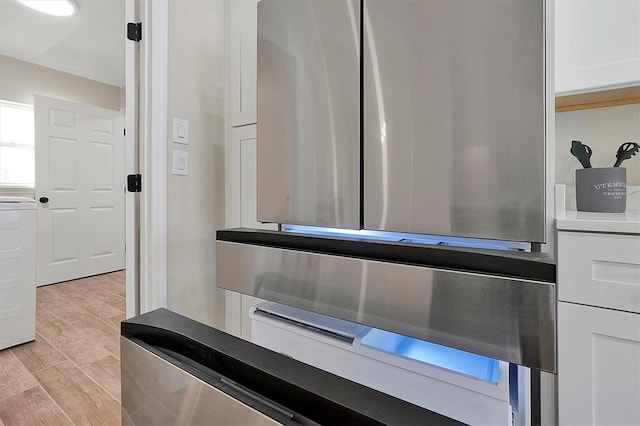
(242, 57)
(598, 366)
(597, 44)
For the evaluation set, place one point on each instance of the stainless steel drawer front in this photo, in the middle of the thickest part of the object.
(309, 112)
(508, 319)
(454, 127)
(156, 392)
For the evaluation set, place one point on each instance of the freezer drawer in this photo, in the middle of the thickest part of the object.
(178, 371)
(467, 387)
(159, 392)
(494, 303)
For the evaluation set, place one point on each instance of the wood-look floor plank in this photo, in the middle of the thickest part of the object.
(93, 297)
(106, 372)
(118, 276)
(110, 417)
(48, 293)
(38, 355)
(89, 299)
(114, 349)
(50, 326)
(31, 407)
(109, 298)
(80, 348)
(117, 320)
(14, 377)
(44, 298)
(70, 292)
(67, 311)
(98, 331)
(78, 395)
(102, 310)
(113, 285)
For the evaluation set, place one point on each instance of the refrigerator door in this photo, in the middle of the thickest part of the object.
(454, 129)
(308, 112)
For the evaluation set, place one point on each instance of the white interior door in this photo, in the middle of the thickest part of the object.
(80, 190)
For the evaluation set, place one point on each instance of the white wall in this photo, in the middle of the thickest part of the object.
(604, 130)
(196, 202)
(20, 80)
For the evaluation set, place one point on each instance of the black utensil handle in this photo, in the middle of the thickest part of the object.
(589, 151)
(579, 150)
(626, 151)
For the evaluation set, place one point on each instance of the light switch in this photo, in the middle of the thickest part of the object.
(180, 130)
(180, 162)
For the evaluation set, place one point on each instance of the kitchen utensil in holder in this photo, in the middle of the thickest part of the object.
(601, 189)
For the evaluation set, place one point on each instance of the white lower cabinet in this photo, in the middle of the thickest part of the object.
(598, 366)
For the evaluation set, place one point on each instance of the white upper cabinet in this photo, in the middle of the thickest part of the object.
(243, 24)
(597, 45)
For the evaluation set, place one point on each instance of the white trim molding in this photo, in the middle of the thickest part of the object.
(153, 220)
(132, 165)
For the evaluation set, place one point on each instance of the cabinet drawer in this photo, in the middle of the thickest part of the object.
(599, 270)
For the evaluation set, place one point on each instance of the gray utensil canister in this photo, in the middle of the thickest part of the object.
(601, 189)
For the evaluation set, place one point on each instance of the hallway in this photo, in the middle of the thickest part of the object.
(71, 373)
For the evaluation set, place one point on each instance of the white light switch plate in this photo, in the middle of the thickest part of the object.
(180, 163)
(181, 131)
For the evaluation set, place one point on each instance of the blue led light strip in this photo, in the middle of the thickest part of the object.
(409, 238)
(466, 363)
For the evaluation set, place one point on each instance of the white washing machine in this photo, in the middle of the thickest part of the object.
(17, 271)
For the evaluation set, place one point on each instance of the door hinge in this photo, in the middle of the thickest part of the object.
(134, 183)
(134, 31)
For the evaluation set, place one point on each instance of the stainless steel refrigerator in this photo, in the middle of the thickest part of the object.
(401, 151)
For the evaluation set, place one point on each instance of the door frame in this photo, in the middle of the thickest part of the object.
(146, 105)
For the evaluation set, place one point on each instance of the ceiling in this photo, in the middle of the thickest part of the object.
(89, 44)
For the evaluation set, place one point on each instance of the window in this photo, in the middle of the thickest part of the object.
(17, 140)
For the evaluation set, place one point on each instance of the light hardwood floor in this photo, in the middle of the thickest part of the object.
(71, 373)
